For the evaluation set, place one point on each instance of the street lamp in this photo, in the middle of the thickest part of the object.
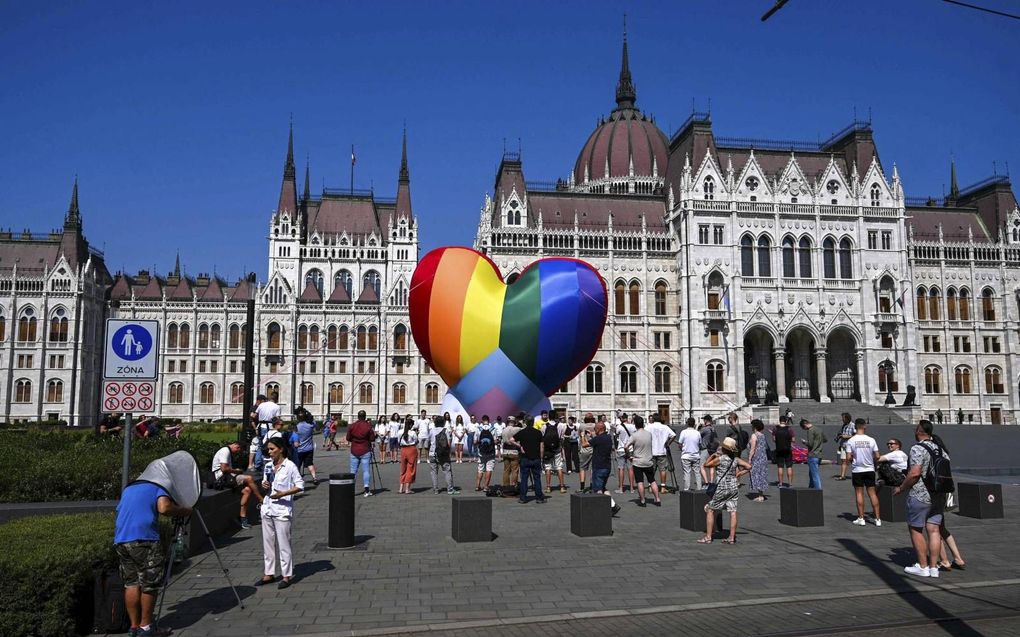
(888, 368)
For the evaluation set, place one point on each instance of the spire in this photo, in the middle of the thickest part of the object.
(403, 208)
(308, 181)
(626, 94)
(954, 188)
(73, 217)
(288, 190)
(405, 177)
(177, 265)
(289, 171)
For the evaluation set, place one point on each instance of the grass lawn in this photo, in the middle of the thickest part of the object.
(213, 436)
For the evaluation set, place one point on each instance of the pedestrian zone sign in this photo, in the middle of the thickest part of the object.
(132, 349)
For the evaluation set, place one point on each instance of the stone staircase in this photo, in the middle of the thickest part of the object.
(829, 413)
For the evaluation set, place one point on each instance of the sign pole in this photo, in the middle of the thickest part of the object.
(129, 433)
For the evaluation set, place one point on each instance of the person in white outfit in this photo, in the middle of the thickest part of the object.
(281, 480)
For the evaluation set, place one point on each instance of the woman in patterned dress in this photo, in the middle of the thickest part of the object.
(729, 467)
(759, 460)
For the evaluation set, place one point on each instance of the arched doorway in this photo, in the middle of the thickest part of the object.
(759, 366)
(842, 365)
(800, 364)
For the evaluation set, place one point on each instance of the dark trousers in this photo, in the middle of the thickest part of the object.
(531, 469)
(571, 457)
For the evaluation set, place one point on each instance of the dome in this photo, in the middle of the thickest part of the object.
(626, 139)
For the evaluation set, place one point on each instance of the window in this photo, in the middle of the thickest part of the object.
(619, 298)
(432, 393)
(829, 259)
(56, 361)
(886, 240)
(876, 195)
(887, 378)
(206, 393)
(952, 312)
(932, 380)
(746, 256)
(274, 336)
(361, 342)
(25, 361)
(660, 299)
(23, 391)
(961, 344)
(789, 270)
(872, 239)
(201, 367)
(628, 340)
(343, 339)
(635, 298)
(628, 379)
(3, 327)
(987, 305)
(371, 279)
(662, 340)
(804, 257)
(709, 188)
(593, 379)
(365, 393)
(184, 336)
(175, 394)
(236, 393)
(371, 367)
(964, 304)
(302, 337)
(934, 310)
(399, 393)
(171, 365)
(184, 366)
(662, 379)
(993, 380)
(344, 279)
(27, 326)
(932, 344)
(992, 345)
(373, 338)
(400, 337)
(54, 391)
(307, 393)
(336, 393)
(398, 367)
(846, 270)
(714, 338)
(233, 367)
(315, 278)
(717, 235)
(922, 304)
(58, 327)
(714, 376)
(203, 336)
(764, 256)
(703, 234)
(234, 337)
(962, 377)
(887, 340)
(513, 213)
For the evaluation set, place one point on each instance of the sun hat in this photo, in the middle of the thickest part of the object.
(729, 444)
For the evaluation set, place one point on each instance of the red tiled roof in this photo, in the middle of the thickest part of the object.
(182, 291)
(339, 295)
(213, 292)
(153, 291)
(243, 291)
(121, 288)
(310, 294)
(368, 295)
(957, 223)
(335, 215)
(626, 134)
(593, 210)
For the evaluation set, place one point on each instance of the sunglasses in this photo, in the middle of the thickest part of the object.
(890, 443)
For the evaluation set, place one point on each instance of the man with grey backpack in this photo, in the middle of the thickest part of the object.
(929, 480)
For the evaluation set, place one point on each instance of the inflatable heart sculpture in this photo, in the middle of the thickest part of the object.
(502, 348)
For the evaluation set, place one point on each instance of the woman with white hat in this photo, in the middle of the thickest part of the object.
(729, 466)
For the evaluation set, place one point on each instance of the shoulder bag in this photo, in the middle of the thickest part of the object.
(712, 487)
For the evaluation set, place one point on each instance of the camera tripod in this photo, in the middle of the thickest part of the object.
(672, 470)
(177, 554)
(375, 473)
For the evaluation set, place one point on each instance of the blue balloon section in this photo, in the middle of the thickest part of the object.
(132, 342)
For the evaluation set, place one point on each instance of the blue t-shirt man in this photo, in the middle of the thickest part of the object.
(305, 436)
(137, 515)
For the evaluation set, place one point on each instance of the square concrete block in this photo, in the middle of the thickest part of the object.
(799, 506)
(590, 514)
(894, 507)
(472, 519)
(979, 499)
(692, 512)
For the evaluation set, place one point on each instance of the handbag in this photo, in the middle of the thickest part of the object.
(712, 487)
(769, 455)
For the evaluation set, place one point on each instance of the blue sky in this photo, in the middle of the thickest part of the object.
(175, 116)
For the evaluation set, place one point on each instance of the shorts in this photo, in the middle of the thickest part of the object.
(645, 474)
(141, 565)
(863, 479)
(622, 461)
(921, 513)
(228, 481)
(844, 453)
(783, 459)
(305, 458)
(394, 443)
(487, 464)
(553, 464)
(585, 455)
(661, 463)
(723, 500)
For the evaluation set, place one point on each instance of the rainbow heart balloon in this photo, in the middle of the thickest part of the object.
(504, 348)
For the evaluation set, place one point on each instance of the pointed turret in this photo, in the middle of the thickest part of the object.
(288, 191)
(954, 188)
(403, 208)
(626, 94)
(73, 217)
(308, 180)
(177, 265)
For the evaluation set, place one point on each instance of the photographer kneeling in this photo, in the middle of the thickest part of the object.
(227, 477)
(136, 536)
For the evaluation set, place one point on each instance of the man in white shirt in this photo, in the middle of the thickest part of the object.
(863, 452)
(662, 436)
(227, 477)
(497, 431)
(624, 468)
(263, 416)
(393, 430)
(690, 455)
(422, 426)
(892, 467)
(472, 431)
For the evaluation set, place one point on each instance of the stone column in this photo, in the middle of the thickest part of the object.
(821, 356)
(863, 388)
(779, 355)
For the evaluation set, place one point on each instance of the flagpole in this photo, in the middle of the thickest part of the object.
(352, 169)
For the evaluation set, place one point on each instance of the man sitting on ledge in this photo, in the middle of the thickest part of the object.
(227, 477)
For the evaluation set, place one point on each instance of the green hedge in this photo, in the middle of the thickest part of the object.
(47, 566)
(62, 466)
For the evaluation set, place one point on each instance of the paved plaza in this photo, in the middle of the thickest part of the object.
(536, 578)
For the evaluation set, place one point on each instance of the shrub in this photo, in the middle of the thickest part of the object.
(48, 564)
(78, 465)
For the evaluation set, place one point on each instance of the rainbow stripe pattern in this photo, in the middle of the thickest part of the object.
(504, 348)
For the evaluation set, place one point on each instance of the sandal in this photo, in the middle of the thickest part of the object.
(946, 566)
(960, 565)
(705, 540)
(730, 541)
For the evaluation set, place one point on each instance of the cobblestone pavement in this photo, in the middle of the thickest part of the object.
(650, 577)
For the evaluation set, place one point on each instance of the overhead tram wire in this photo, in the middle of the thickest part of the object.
(984, 9)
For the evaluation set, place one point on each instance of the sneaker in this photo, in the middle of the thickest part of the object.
(657, 503)
(878, 522)
(152, 631)
(616, 509)
(245, 524)
(366, 494)
(618, 491)
(548, 489)
(453, 491)
(860, 522)
(933, 572)
(541, 500)
(315, 481)
(435, 491)
(522, 500)
(920, 571)
(563, 489)
(642, 503)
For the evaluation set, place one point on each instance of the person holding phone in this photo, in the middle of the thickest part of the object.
(282, 481)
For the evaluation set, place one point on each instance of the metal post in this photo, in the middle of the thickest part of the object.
(249, 373)
(128, 432)
(341, 510)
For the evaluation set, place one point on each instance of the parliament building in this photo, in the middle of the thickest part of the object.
(739, 272)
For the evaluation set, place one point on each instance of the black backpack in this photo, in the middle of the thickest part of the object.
(743, 439)
(938, 479)
(486, 443)
(442, 451)
(551, 439)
